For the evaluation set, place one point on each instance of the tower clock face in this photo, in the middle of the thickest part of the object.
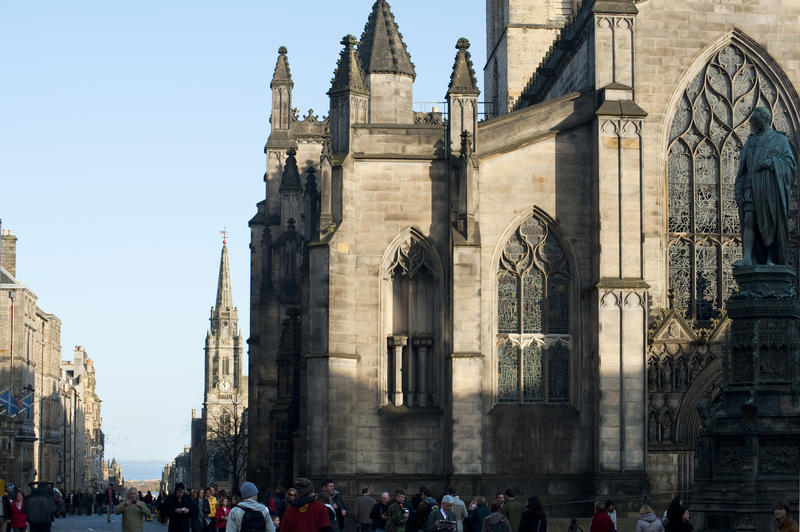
(224, 386)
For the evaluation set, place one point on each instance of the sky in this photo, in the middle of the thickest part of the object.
(131, 133)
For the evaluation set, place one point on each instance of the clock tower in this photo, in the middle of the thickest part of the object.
(225, 388)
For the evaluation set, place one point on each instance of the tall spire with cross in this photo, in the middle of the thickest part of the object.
(224, 295)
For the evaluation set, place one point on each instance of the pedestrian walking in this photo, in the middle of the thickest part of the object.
(336, 502)
(459, 510)
(221, 517)
(211, 515)
(178, 508)
(397, 514)
(291, 495)
(304, 513)
(41, 509)
(612, 512)
(443, 519)
(199, 511)
(783, 517)
(601, 522)
(362, 510)
(495, 521)
(648, 522)
(533, 518)
(378, 513)
(111, 501)
(512, 509)
(249, 515)
(18, 519)
(133, 512)
(88, 502)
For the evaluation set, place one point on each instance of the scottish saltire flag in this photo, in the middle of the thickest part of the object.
(9, 403)
(26, 405)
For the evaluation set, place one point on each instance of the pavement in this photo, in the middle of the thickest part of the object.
(97, 523)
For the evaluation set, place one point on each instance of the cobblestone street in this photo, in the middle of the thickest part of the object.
(98, 523)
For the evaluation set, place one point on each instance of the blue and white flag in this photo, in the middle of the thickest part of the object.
(9, 403)
(26, 405)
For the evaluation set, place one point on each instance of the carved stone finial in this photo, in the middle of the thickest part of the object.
(349, 39)
(291, 152)
(282, 50)
(462, 44)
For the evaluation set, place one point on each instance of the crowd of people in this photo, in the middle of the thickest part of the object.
(303, 509)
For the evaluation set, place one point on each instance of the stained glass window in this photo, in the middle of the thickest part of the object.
(508, 372)
(707, 133)
(533, 310)
(532, 374)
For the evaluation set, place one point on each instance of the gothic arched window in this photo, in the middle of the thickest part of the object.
(710, 126)
(412, 314)
(534, 344)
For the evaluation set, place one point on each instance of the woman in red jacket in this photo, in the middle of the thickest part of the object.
(222, 514)
(19, 519)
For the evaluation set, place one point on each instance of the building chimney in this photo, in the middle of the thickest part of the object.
(8, 252)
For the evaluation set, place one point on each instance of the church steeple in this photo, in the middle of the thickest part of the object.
(224, 296)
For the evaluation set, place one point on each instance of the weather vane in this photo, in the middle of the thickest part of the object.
(224, 234)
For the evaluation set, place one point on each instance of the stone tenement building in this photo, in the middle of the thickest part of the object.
(534, 300)
(214, 433)
(56, 435)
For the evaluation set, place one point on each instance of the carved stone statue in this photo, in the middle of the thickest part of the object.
(763, 187)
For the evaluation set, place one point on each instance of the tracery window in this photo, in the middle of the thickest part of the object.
(707, 133)
(412, 278)
(533, 317)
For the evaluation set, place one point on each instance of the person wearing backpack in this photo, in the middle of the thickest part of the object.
(249, 515)
(495, 521)
(648, 522)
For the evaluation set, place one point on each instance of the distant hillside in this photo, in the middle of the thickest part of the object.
(143, 485)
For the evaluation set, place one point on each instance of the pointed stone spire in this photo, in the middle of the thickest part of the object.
(347, 77)
(224, 294)
(462, 79)
(291, 175)
(382, 49)
(282, 74)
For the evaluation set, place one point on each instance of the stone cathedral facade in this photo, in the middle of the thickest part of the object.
(533, 299)
(223, 417)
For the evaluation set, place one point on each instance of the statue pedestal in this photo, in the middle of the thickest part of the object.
(748, 455)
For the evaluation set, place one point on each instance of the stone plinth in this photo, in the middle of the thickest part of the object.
(749, 452)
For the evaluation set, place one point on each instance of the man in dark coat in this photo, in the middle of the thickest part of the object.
(41, 508)
(177, 508)
(336, 502)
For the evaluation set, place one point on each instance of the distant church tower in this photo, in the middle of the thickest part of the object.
(519, 34)
(225, 389)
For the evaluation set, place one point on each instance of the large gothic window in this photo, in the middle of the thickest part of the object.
(710, 126)
(533, 317)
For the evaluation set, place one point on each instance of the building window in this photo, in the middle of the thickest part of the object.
(534, 343)
(710, 126)
(412, 314)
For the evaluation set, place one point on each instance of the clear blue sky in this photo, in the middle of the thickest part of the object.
(132, 132)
